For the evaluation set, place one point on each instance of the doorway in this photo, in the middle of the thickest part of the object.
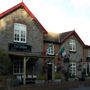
(49, 71)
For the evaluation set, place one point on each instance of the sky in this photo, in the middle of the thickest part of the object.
(58, 15)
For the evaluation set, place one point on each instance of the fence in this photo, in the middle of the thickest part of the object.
(49, 85)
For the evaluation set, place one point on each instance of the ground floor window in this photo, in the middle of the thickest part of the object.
(87, 69)
(73, 69)
(17, 65)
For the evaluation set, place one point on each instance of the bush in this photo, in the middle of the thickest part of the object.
(5, 62)
(89, 74)
(73, 76)
(40, 77)
(58, 76)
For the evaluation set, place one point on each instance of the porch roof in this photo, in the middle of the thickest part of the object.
(32, 55)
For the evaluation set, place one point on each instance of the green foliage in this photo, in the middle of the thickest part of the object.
(58, 76)
(89, 74)
(73, 76)
(40, 77)
(4, 62)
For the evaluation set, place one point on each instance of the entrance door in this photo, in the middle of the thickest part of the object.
(49, 71)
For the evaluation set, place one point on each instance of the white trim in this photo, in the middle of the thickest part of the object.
(50, 49)
(88, 53)
(89, 67)
(49, 63)
(72, 44)
(71, 68)
(20, 27)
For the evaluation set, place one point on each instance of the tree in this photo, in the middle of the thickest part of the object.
(5, 62)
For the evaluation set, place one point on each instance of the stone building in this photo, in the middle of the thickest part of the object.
(22, 35)
(34, 50)
(74, 48)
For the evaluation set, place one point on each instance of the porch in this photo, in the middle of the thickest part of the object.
(26, 66)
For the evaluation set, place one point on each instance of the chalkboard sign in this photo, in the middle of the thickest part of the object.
(19, 47)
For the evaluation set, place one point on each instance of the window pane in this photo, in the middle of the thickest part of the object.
(19, 32)
(73, 68)
(72, 45)
(22, 35)
(16, 35)
(88, 53)
(18, 65)
(51, 49)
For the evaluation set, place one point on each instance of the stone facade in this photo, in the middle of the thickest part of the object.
(35, 38)
(74, 56)
(34, 32)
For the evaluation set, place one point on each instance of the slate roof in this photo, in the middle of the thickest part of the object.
(51, 37)
(56, 37)
(60, 37)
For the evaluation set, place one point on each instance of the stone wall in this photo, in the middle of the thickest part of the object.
(34, 32)
(74, 56)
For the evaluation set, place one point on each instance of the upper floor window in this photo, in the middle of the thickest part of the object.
(72, 45)
(20, 32)
(88, 53)
(50, 49)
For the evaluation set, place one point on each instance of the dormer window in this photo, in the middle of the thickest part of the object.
(20, 32)
(72, 45)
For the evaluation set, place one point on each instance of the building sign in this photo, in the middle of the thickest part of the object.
(19, 47)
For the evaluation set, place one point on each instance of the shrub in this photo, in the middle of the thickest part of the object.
(5, 62)
(40, 77)
(58, 76)
(73, 76)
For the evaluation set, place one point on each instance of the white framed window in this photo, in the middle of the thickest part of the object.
(72, 45)
(17, 66)
(55, 68)
(88, 53)
(73, 68)
(20, 32)
(50, 50)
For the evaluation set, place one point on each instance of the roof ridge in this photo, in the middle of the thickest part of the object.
(68, 31)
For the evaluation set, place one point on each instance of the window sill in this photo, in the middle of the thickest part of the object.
(19, 42)
(72, 51)
(50, 54)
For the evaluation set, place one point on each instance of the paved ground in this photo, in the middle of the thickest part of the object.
(81, 87)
